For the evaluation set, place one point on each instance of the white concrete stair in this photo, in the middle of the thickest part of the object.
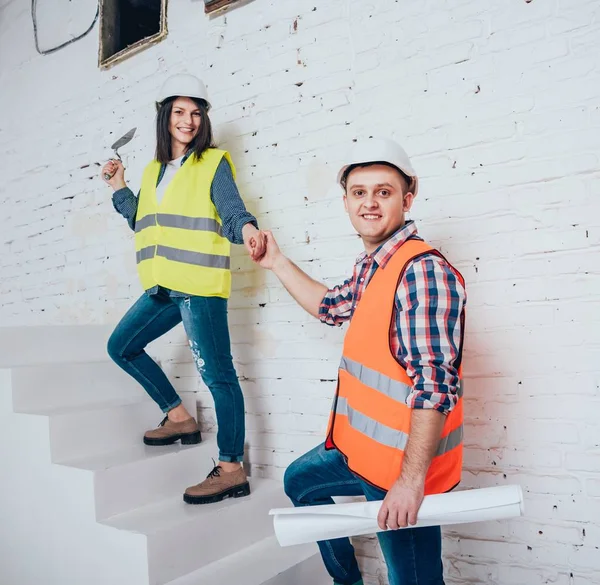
(55, 344)
(263, 563)
(80, 430)
(182, 538)
(71, 384)
(89, 503)
(140, 475)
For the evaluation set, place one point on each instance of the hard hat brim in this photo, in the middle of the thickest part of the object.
(208, 104)
(408, 172)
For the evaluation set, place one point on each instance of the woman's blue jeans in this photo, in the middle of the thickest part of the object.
(205, 323)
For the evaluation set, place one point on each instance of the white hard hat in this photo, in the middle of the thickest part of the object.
(185, 85)
(380, 150)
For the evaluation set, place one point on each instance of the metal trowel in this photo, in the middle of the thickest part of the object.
(125, 139)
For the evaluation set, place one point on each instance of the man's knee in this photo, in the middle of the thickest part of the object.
(292, 480)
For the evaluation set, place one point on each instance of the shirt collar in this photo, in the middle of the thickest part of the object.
(386, 250)
(178, 162)
(186, 156)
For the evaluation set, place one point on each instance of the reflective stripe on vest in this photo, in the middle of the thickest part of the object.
(392, 388)
(195, 258)
(185, 256)
(144, 222)
(145, 253)
(388, 436)
(203, 224)
(450, 441)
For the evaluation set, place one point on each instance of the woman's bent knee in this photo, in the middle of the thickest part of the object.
(114, 347)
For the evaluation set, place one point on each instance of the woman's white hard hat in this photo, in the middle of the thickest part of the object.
(183, 85)
(380, 150)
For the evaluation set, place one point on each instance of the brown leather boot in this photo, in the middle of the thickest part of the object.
(217, 486)
(168, 432)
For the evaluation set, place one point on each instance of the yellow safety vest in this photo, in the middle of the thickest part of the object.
(179, 243)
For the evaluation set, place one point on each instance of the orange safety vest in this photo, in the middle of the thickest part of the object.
(370, 421)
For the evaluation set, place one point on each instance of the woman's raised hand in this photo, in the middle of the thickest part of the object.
(115, 171)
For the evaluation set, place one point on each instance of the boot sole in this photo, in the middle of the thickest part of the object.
(238, 491)
(186, 439)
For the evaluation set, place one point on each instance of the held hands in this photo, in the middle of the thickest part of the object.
(272, 254)
(255, 241)
(262, 247)
(116, 171)
(401, 504)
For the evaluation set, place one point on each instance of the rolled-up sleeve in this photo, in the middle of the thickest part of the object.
(336, 306)
(126, 203)
(429, 326)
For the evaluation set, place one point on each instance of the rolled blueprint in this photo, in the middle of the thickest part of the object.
(313, 523)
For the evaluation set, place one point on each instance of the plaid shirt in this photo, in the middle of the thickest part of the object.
(426, 332)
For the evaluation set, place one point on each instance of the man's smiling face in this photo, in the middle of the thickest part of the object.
(377, 198)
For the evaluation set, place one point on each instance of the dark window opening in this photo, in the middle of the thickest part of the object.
(128, 26)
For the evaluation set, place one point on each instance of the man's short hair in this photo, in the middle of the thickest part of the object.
(407, 182)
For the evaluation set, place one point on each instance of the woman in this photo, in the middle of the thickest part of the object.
(186, 214)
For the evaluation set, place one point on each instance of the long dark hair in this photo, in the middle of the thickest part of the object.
(202, 140)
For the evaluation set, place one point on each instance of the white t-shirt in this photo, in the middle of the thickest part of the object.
(170, 170)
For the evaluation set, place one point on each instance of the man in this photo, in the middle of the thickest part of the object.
(395, 432)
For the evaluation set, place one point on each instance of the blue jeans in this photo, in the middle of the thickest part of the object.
(205, 323)
(413, 555)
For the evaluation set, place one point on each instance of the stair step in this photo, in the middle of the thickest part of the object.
(78, 431)
(53, 344)
(69, 409)
(182, 538)
(56, 385)
(141, 475)
(173, 513)
(263, 563)
(133, 455)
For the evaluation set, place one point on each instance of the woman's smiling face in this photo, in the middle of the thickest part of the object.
(185, 120)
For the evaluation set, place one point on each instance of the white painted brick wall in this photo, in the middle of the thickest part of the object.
(498, 103)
